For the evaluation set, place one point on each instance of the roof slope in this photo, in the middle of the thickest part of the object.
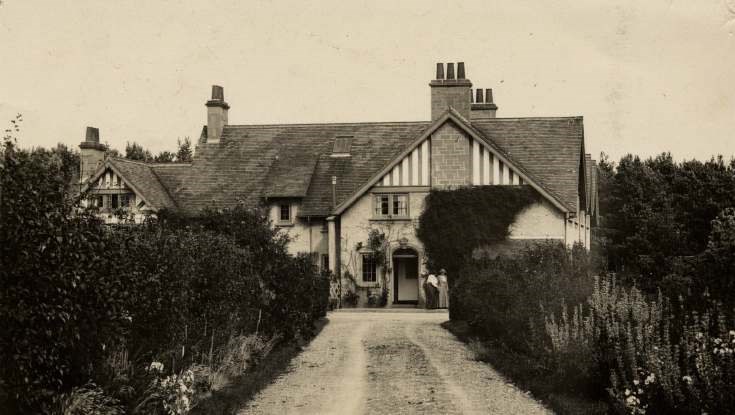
(143, 180)
(548, 148)
(252, 162)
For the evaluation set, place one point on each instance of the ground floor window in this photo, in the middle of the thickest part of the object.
(369, 268)
(325, 262)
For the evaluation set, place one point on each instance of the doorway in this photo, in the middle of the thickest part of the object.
(405, 276)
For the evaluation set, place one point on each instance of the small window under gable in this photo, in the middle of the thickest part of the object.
(284, 212)
(342, 146)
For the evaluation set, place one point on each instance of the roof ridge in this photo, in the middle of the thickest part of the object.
(326, 123)
(569, 117)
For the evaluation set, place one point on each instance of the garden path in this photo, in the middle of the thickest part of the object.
(389, 362)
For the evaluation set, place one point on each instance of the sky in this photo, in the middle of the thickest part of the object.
(647, 76)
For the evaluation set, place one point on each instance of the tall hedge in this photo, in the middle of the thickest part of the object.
(76, 294)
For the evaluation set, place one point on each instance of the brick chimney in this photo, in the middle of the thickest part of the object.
(216, 114)
(450, 91)
(483, 107)
(92, 154)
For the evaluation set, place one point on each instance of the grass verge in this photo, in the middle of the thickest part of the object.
(527, 374)
(231, 398)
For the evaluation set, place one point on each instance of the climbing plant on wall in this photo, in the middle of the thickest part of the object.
(455, 222)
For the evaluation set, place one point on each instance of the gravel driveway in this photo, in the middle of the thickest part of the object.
(389, 363)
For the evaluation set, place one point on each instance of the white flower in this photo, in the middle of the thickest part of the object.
(640, 391)
(635, 382)
(718, 341)
(732, 332)
(627, 392)
(650, 379)
(687, 379)
(699, 336)
(156, 367)
(632, 401)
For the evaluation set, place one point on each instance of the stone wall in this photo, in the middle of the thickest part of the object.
(450, 157)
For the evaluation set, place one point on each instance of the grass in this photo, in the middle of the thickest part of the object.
(241, 389)
(527, 374)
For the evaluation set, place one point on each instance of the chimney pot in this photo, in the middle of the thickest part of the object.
(489, 95)
(439, 71)
(450, 70)
(479, 96)
(93, 135)
(460, 70)
(218, 93)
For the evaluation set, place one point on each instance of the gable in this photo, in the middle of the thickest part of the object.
(136, 176)
(501, 171)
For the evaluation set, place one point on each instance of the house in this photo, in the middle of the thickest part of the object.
(328, 185)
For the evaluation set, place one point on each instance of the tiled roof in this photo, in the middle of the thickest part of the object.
(144, 180)
(252, 162)
(171, 175)
(548, 148)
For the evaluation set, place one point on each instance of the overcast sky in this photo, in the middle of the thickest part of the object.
(647, 76)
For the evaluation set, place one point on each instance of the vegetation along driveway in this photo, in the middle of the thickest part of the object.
(388, 363)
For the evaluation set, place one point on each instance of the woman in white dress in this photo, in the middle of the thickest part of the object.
(443, 289)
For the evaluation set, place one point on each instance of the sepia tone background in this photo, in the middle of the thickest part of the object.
(647, 76)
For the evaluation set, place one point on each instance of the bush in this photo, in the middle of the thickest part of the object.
(503, 298)
(82, 301)
(656, 362)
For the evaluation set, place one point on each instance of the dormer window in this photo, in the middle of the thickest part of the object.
(342, 146)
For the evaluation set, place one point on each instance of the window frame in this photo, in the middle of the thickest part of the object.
(392, 207)
(281, 210)
(372, 272)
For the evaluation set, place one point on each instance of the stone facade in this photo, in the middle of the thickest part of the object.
(450, 158)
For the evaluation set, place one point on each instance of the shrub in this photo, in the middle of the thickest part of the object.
(82, 301)
(622, 335)
(502, 298)
(89, 399)
(450, 227)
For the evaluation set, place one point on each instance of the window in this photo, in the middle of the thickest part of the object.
(369, 268)
(285, 213)
(115, 201)
(125, 200)
(99, 201)
(393, 205)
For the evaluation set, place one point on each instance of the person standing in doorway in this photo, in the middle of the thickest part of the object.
(432, 291)
(443, 289)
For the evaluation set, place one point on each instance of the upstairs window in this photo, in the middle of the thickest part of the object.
(369, 268)
(284, 213)
(391, 206)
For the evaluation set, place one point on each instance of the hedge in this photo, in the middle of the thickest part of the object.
(83, 302)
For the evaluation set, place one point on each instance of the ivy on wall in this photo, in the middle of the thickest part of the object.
(455, 222)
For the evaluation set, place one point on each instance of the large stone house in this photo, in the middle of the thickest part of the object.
(328, 185)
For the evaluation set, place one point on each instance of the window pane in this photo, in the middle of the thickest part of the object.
(115, 201)
(369, 273)
(400, 205)
(384, 205)
(286, 213)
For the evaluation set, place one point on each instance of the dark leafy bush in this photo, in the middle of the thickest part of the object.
(450, 227)
(81, 301)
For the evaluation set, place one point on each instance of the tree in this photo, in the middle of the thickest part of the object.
(184, 153)
(134, 151)
(165, 157)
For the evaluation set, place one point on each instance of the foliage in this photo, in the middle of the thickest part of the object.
(502, 298)
(82, 301)
(164, 157)
(134, 151)
(658, 213)
(659, 359)
(184, 153)
(89, 399)
(451, 228)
